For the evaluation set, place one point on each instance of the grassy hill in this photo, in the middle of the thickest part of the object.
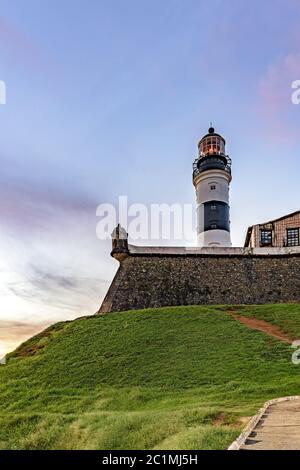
(168, 378)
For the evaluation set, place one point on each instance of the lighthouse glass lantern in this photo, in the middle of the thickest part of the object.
(212, 145)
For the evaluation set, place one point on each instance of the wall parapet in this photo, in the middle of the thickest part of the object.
(213, 251)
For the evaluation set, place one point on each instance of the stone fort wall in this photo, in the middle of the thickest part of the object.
(149, 277)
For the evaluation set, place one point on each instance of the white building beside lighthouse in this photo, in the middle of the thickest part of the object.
(211, 178)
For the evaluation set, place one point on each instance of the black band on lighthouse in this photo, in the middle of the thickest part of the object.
(214, 215)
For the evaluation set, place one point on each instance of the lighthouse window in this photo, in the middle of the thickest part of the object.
(213, 187)
(213, 226)
(292, 237)
(213, 208)
(266, 237)
(212, 145)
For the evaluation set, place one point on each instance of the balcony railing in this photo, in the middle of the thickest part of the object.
(204, 163)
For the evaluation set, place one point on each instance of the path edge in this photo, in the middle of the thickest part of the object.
(240, 441)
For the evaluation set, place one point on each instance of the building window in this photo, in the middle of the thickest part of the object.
(266, 237)
(292, 237)
(213, 187)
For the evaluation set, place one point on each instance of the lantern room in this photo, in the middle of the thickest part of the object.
(211, 144)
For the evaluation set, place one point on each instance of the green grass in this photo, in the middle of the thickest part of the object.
(168, 378)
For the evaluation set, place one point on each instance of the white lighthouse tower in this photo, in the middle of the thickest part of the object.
(211, 178)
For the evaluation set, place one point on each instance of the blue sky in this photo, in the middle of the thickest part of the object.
(108, 97)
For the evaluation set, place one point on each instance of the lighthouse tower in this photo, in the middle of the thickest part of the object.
(211, 178)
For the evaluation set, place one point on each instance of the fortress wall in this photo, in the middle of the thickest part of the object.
(148, 279)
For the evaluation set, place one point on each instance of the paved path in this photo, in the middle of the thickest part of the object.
(278, 429)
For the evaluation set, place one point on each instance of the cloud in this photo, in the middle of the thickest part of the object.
(275, 105)
(41, 295)
(50, 258)
(50, 288)
(12, 333)
(22, 48)
(275, 86)
(31, 208)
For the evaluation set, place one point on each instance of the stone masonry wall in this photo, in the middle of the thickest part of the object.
(145, 281)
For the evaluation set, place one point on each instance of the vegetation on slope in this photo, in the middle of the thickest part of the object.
(168, 378)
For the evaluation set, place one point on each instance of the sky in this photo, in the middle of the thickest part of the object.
(107, 98)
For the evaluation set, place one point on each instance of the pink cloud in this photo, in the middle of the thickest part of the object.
(17, 42)
(29, 208)
(275, 86)
(23, 49)
(13, 333)
(275, 105)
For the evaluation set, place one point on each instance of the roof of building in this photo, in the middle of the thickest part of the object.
(249, 230)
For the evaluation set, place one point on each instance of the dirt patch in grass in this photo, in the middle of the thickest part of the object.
(30, 350)
(225, 419)
(220, 419)
(37, 343)
(262, 325)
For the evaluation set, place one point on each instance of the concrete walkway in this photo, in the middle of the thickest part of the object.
(277, 429)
